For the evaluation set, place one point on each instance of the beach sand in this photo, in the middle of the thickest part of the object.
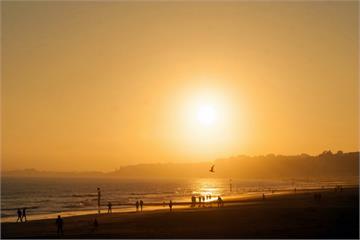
(292, 215)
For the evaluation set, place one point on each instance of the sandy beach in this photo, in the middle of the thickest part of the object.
(292, 215)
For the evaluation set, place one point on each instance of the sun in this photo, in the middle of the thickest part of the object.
(206, 115)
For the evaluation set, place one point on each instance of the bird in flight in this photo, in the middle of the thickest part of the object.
(212, 169)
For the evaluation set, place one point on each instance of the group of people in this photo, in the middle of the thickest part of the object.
(202, 200)
(338, 188)
(139, 204)
(21, 215)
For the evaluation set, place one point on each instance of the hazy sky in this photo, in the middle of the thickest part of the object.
(94, 86)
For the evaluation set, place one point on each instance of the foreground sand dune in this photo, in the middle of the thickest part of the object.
(335, 215)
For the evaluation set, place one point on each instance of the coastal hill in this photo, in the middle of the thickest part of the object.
(324, 165)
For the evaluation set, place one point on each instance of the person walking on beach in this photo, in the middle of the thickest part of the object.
(141, 205)
(170, 205)
(24, 214)
(59, 223)
(19, 215)
(98, 198)
(109, 207)
(137, 206)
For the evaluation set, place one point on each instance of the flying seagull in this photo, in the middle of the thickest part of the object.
(212, 169)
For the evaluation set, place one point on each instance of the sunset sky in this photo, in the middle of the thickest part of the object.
(96, 86)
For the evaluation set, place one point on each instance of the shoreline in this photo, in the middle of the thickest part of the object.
(128, 208)
(294, 215)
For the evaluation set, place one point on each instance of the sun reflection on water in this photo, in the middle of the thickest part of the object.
(207, 186)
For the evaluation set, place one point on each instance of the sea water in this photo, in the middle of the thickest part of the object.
(47, 197)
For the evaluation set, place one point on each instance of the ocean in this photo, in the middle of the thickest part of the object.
(48, 197)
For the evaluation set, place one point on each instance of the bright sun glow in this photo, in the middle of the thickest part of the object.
(206, 115)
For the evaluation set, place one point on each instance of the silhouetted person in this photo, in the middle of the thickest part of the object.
(170, 205)
(24, 214)
(193, 201)
(137, 206)
(219, 201)
(141, 205)
(317, 196)
(99, 198)
(295, 190)
(263, 196)
(109, 207)
(19, 215)
(96, 224)
(59, 223)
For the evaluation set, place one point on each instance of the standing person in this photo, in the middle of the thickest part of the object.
(98, 198)
(109, 207)
(95, 224)
(24, 214)
(141, 205)
(137, 206)
(19, 215)
(219, 201)
(170, 205)
(59, 223)
(193, 201)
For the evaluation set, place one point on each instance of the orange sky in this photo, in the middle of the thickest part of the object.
(94, 86)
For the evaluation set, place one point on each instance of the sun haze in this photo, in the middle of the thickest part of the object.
(95, 86)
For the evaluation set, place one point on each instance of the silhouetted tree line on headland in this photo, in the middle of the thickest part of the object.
(326, 164)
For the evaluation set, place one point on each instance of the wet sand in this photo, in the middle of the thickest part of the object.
(335, 215)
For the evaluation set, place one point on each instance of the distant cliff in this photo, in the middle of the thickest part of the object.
(325, 165)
